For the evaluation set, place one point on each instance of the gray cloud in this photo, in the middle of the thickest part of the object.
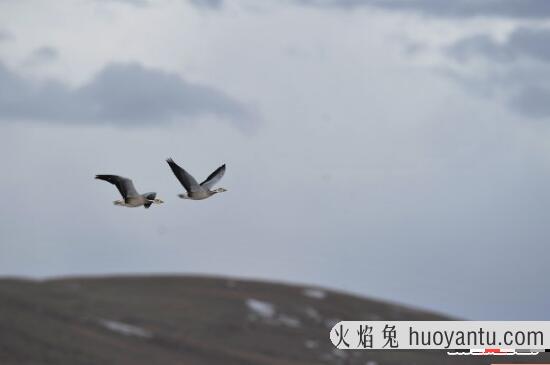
(129, 2)
(123, 94)
(529, 96)
(536, 9)
(479, 45)
(523, 42)
(212, 4)
(532, 101)
(44, 54)
(522, 80)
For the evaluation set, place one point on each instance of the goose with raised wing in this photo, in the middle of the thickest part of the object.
(131, 198)
(196, 191)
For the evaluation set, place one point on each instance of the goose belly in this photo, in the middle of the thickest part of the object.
(199, 195)
(134, 202)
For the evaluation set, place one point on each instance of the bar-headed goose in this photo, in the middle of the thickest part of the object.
(131, 197)
(196, 191)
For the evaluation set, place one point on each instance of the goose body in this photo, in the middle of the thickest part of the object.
(131, 198)
(194, 190)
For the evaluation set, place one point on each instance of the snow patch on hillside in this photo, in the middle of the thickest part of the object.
(315, 293)
(125, 329)
(261, 308)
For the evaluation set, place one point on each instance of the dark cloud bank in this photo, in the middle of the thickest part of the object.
(214, 4)
(455, 8)
(530, 90)
(536, 9)
(523, 42)
(122, 94)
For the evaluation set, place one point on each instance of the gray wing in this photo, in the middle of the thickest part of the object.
(188, 181)
(124, 185)
(214, 177)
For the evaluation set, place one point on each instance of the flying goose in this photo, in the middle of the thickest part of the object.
(196, 191)
(131, 197)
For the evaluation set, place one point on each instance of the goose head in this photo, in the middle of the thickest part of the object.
(219, 190)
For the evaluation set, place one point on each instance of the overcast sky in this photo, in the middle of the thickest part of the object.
(397, 149)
